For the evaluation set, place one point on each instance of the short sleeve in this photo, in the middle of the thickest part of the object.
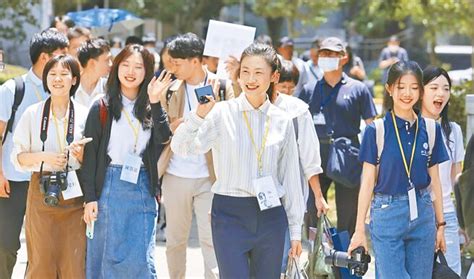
(383, 55)
(22, 138)
(439, 153)
(459, 144)
(7, 95)
(367, 105)
(368, 147)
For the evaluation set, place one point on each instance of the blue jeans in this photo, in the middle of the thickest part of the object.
(403, 249)
(124, 233)
(451, 234)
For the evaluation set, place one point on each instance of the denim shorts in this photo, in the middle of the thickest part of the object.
(403, 248)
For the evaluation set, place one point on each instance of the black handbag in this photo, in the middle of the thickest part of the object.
(343, 164)
(441, 270)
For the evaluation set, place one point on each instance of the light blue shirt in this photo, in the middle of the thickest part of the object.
(34, 93)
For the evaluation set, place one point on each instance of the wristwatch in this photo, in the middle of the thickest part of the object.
(440, 224)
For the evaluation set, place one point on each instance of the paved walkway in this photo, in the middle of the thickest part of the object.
(194, 268)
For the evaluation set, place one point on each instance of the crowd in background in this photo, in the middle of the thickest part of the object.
(122, 125)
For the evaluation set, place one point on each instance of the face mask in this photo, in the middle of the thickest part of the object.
(328, 64)
(393, 48)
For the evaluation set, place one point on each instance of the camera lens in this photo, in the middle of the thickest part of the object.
(51, 198)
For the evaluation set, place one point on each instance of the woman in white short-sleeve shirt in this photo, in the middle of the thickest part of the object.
(54, 228)
(437, 86)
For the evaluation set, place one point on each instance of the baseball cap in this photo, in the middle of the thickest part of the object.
(286, 41)
(333, 44)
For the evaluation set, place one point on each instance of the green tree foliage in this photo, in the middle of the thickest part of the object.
(309, 12)
(15, 14)
(436, 16)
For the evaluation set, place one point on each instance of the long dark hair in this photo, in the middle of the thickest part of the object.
(141, 109)
(431, 73)
(270, 56)
(395, 73)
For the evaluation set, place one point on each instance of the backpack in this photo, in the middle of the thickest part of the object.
(380, 136)
(19, 94)
(380, 139)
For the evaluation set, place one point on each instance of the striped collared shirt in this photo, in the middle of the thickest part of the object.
(225, 132)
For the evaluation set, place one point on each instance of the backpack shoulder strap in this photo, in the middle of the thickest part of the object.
(431, 131)
(19, 94)
(222, 86)
(379, 136)
(103, 112)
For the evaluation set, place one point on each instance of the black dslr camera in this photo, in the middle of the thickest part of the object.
(357, 263)
(52, 185)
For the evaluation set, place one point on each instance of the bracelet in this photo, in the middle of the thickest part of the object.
(440, 224)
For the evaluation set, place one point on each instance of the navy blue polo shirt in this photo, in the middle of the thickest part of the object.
(342, 108)
(392, 178)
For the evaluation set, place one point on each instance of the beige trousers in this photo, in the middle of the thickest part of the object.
(180, 197)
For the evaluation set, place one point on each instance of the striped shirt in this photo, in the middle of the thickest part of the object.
(225, 132)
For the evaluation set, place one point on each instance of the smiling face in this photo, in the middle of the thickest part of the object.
(60, 80)
(256, 75)
(405, 92)
(436, 96)
(131, 72)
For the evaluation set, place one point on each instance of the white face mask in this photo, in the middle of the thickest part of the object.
(393, 48)
(328, 64)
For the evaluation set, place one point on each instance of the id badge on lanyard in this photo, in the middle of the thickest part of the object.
(411, 188)
(412, 203)
(133, 162)
(266, 192)
(319, 119)
(73, 189)
(131, 168)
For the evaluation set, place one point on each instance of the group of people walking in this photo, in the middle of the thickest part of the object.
(249, 160)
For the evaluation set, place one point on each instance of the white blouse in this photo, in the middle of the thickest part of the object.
(122, 137)
(225, 132)
(307, 139)
(26, 137)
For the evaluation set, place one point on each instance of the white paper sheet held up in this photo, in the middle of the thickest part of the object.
(224, 39)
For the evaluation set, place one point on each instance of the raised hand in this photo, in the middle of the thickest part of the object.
(158, 86)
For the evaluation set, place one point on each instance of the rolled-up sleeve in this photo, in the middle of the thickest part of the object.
(289, 174)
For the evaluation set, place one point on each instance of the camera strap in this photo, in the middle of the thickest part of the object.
(45, 124)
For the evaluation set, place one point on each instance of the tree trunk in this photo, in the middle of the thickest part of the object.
(274, 26)
(432, 41)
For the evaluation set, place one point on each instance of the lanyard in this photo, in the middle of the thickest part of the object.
(313, 72)
(186, 91)
(38, 95)
(258, 152)
(334, 91)
(407, 168)
(45, 124)
(58, 137)
(135, 129)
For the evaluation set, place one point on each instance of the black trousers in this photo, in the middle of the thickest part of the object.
(12, 212)
(346, 198)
